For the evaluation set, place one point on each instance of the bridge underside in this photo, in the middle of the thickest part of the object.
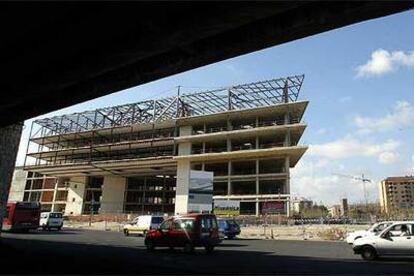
(58, 54)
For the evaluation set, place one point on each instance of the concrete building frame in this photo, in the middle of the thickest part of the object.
(252, 130)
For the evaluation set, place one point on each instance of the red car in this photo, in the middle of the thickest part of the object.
(187, 231)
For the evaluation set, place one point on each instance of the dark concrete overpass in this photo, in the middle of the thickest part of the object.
(54, 55)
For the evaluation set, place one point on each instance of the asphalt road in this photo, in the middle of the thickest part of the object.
(74, 251)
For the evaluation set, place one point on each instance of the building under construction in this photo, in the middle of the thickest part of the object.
(136, 157)
(396, 194)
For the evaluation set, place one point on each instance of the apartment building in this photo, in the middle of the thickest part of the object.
(297, 205)
(138, 157)
(396, 193)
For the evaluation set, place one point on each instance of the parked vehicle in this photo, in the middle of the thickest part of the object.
(186, 231)
(142, 224)
(396, 239)
(373, 230)
(21, 216)
(228, 227)
(222, 236)
(49, 220)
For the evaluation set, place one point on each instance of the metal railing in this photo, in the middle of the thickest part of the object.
(240, 147)
(246, 126)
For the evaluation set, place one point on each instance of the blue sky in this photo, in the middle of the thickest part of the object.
(359, 81)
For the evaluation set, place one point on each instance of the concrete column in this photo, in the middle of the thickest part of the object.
(287, 138)
(228, 141)
(183, 184)
(229, 125)
(9, 145)
(229, 178)
(113, 192)
(288, 207)
(257, 177)
(54, 195)
(183, 174)
(144, 196)
(186, 130)
(287, 167)
(257, 184)
(76, 194)
(287, 116)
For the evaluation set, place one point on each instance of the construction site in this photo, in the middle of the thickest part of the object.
(137, 158)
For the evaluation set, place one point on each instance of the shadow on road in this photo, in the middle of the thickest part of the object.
(231, 245)
(42, 232)
(51, 257)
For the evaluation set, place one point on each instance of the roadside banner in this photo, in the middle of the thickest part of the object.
(227, 207)
(272, 207)
(200, 194)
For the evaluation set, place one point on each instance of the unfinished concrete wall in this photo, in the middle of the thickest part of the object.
(76, 194)
(9, 144)
(113, 192)
(17, 185)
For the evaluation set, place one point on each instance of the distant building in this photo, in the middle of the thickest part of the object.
(299, 204)
(339, 210)
(344, 207)
(396, 193)
(335, 210)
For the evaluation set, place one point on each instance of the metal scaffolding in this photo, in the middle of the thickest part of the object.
(238, 97)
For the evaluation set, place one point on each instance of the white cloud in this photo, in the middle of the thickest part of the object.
(388, 157)
(402, 115)
(350, 147)
(321, 163)
(383, 62)
(328, 188)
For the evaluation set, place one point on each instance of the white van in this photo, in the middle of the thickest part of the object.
(141, 224)
(396, 239)
(50, 220)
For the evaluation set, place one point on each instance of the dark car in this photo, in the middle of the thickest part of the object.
(229, 228)
(186, 231)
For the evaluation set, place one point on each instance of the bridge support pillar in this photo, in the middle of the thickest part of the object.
(9, 145)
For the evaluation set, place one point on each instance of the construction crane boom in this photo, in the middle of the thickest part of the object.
(363, 180)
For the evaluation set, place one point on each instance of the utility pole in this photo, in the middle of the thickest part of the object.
(364, 180)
